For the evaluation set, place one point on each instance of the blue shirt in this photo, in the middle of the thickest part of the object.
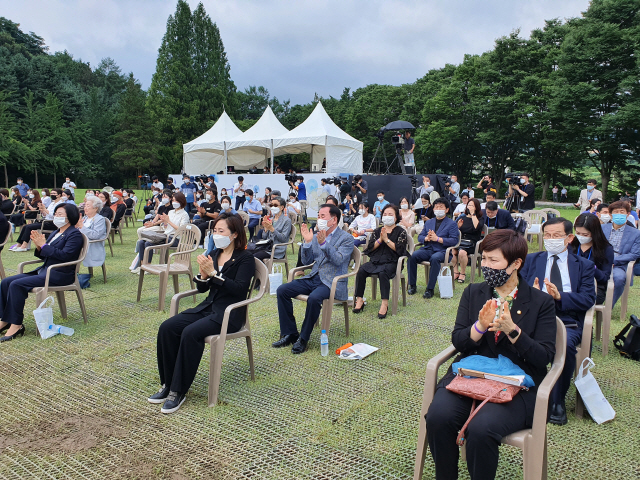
(23, 188)
(302, 191)
(188, 190)
(378, 206)
(255, 206)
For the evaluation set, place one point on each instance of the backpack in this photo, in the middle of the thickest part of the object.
(521, 225)
(629, 346)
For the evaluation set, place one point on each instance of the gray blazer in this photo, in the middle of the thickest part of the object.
(96, 253)
(282, 230)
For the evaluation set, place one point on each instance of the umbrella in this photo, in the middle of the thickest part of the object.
(399, 124)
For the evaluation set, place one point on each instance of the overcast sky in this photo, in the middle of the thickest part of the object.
(293, 48)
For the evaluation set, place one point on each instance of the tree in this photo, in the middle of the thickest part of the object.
(11, 149)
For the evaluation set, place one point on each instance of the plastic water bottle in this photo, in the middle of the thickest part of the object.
(324, 343)
(68, 331)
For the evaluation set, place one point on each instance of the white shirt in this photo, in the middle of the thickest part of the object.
(52, 206)
(637, 199)
(158, 185)
(177, 217)
(564, 271)
(361, 223)
(69, 185)
(292, 206)
(239, 193)
(459, 209)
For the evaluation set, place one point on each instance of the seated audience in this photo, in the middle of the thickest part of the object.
(127, 198)
(590, 243)
(625, 241)
(380, 204)
(266, 200)
(275, 227)
(208, 211)
(106, 211)
(88, 193)
(489, 197)
(65, 245)
(67, 197)
(47, 223)
(470, 226)
(364, 223)
(4, 229)
(6, 205)
(254, 209)
(386, 244)
(603, 213)
(348, 206)
(330, 251)
(425, 212)
(594, 203)
(569, 280)
(94, 227)
(30, 209)
(155, 224)
(226, 276)
(293, 205)
(522, 328)
(407, 216)
(119, 208)
(45, 198)
(462, 206)
(437, 234)
(497, 218)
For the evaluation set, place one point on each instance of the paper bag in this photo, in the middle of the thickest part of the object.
(597, 405)
(445, 283)
(44, 318)
(275, 278)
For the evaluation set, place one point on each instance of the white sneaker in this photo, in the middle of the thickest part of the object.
(136, 271)
(18, 249)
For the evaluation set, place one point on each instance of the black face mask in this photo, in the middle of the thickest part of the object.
(495, 277)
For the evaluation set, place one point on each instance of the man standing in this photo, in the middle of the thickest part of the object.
(302, 196)
(330, 251)
(326, 189)
(238, 192)
(189, 190)
(22, 187)
(454, 189)
(526, 191)
(587, 194)
(437, 234)
(563, 195)
(409, 146)
(497, 218)
(569, 279)
(71, 186)
(487, 185)
(555, 193)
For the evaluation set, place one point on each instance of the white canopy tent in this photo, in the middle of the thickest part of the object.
(322, 138)
(207, 153)
(257, 141)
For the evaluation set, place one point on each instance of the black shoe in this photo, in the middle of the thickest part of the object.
(300, 346)
(161, 396)
(412, 290)
(358, 310)
(383, 315)
(285, 340)
(8, 338)
(173, 402)
(558, 414)
(5, 328)
(428, 294)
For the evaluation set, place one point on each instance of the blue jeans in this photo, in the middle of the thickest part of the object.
(253, 223)
(317, 292)
(425, 254)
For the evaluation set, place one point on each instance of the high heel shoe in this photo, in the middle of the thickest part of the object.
(383, 315)
(358, 310)
(5, 328)
(19, 333)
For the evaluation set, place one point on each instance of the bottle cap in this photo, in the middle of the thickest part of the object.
(324, 331)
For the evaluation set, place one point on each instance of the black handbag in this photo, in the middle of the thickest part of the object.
(629, 346)
(464, 243)
(260, 246)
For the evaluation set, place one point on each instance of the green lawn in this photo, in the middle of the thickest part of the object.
(75, 407)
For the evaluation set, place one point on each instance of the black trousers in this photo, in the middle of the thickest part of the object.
(14, 291)
(202, 225)
(317, 292)
(25, 232)
(384, 278)
(445, 418)
(262, 255)
(181, 344)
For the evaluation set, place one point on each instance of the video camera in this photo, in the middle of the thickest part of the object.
(333, 181)
(447, 181)
(398, 140)
(291, 177)
(513, 178)
(202, 178)
(145, 178)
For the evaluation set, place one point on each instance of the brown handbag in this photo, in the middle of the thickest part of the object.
(481, 389)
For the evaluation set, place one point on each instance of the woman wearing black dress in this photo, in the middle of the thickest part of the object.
(386, 244)
(470, 226)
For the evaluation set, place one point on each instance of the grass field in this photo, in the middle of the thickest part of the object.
(75, 407)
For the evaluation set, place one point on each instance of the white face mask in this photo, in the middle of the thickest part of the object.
(554, 245)
(605, 218)
(187, 181)
(322, 224)
(404, 206)
(59, 221)
(175, 205)
(225, 205)
(114, 199)
(388, 220)
(639, 183)
(361, 212)
(582, 239)
(522, 180)
(275, 210)
(31, 195)
(221, 241)
(125, 194)
(224, 192)
(380, 198)
(165, 201)
(439, 213)
(208, 197)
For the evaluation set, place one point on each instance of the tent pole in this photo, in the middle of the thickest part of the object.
(272, 156)
(226, 159)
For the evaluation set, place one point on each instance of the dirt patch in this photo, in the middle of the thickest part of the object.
(69, 435)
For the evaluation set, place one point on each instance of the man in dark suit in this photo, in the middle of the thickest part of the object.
(497, 218)
(64, 245)
(437, 235)
(569, 279)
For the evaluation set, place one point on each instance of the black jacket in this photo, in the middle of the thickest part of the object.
(65, 248)
(230, 286)
(503, 220)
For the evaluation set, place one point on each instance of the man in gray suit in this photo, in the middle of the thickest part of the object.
(330, 251)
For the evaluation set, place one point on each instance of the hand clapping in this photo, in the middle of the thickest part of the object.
(307, 234)
(206, 266)
(321, 236)
(383, 235)
(38, 238)
(504, 323)
(552, 289)
(487, 314)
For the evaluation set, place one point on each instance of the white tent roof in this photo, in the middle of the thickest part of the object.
(320, 137)
(214, 138)
(259, 136)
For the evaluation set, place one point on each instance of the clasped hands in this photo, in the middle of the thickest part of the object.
(267, 225)
(488, 321)
(431, 237)
(38, 238)
(206, 266)
(551, 288)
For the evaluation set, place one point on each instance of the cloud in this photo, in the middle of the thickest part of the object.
(294, 49)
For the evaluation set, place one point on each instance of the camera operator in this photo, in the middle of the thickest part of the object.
(360, 187)
(426, 187)
(345, 188)
(487, 185)
(526, 191)
(409, 145)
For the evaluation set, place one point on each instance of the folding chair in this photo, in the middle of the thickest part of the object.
(447, 261)
(534, 219)
(270, 261)
(104, 267)
(399, 281)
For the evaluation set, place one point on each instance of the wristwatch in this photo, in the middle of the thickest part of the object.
(513, 334)
(387, 241)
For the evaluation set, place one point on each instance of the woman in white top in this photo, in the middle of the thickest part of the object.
(94, 227)
(362, 224)
(172, 221)
(462, 206)
(407, 216)
(45, 198)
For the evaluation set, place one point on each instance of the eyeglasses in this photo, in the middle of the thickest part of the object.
(554, 236)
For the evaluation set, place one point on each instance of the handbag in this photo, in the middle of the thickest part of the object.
(275, 278)
(155, 238)
(44, 317)
(445, 283)
(464, 243)
(597, 405)
(629, 346)
(260, 246)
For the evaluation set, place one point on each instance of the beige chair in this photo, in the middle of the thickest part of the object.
(104, 264)
(583, 352)
(603, 317)
(534, 219)
(270, 261)
(178, 263)
(624, 299)
(399, 281)
(245, 220)
(117, 230)
(218, 342)
(448, 262)
(295, 219)
(128, 215)
(547, 211)
(433, 195)
(532, 441)
(327, 305)
(5, 240)
(42, 292)
(475, 259)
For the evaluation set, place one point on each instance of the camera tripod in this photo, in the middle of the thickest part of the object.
(378, 163)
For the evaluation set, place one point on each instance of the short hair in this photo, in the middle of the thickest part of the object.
(225, 197)
(492, 193)
(293, 194)
(365, 205)
(512, 245)
(96, 202)
(334, 211)
(58, 191)
(620, 204)
(276, 193)
(602, 206)
(73, 214)
(525, 174)
(301, 178)
(241, 178)
(180, 198)
(167, 192)
(465, 194)
(249, 192)
(441, 201)
(19, 178)
(404, 198)
(568, 226)
(332, 198)
(67, 192)
(426, 196)
(357, 178)
(4, 192)
(491, 206)
(380, 192)
(186, 176)
(592, 180)
(280, 200)
(155, 177)
(395, 209)
(236, 225)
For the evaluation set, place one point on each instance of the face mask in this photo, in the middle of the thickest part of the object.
(361, 212)
(224, 192)
(605, 218)
(113, 199)
(54, 197)
(387, 221)
(125, 194)
(639, 183)
(522, 180)
(175, 205)
(64, 199)
(590, 187)
(582, 239)
(89, 195)
(554, 245)
(404, 206)
(31, 195)
(275, 210)
(322, 224)
(165, 201)
(221, 241)
(186, 180)
(439, 213)
(495, 277)
(60, 221)
(208, 197)
(380, 198)
(225, 205)
(619, 218)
